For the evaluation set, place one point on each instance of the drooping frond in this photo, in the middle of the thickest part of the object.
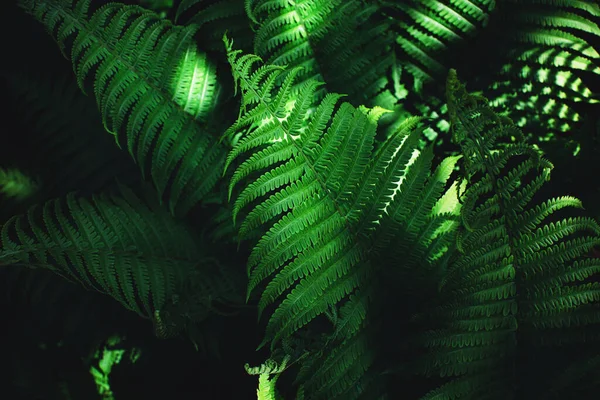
(116, 245)
(518, 277)
(155, 91)
(214, 18)
(323, 195)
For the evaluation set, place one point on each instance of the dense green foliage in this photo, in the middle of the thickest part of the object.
(398, 239)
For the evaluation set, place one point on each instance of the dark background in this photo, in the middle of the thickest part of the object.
(50, 327)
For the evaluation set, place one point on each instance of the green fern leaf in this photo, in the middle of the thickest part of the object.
(428, 31)
(314, 180)
(113, 244)
(516, 270)
(155, 91)
(340, 43)
(549, 45)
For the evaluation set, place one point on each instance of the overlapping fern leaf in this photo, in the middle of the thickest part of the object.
(329, 205)
(518, 277)
(340, 43)
(549, 51)
(118, 245)
(155, 91)
(545, 49)
(214, 18)
(430, 36)
(429, 32)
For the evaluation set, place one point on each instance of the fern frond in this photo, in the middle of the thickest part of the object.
(266, 383)
(340, 43)
(518, 274)
(550, 49)
(112, 244)
(314, 180)
(545, 59)
(155, 91)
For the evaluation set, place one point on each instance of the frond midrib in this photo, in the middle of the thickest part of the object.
(481, 155)
(289, 135)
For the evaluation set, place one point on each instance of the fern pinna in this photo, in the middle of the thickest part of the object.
(155, 91)
(330, 204)
(519, 276)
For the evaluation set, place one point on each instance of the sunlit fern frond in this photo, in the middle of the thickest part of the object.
(412, 244)
(268, 373)
(156, 92)
(541, 72)
(329, 204)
